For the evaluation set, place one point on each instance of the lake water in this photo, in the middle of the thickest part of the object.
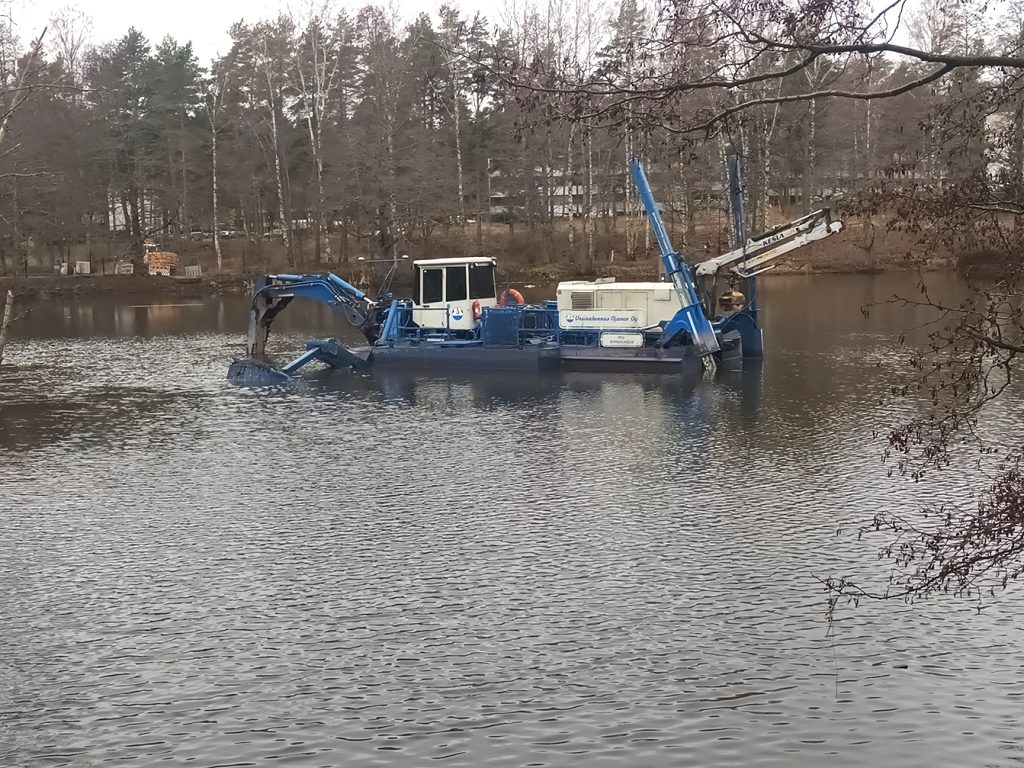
(393, 571)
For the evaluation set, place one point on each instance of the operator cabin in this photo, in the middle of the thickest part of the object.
(451, 293)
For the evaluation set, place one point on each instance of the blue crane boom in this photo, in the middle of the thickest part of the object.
(691, 318)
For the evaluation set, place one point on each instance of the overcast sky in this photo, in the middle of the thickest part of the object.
(204, 22)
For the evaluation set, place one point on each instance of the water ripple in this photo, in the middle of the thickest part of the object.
(393, 571)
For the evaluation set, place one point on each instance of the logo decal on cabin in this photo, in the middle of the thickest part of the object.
(457, 313)
(601, 318)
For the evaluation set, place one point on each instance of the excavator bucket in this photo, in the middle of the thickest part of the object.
(255, 373)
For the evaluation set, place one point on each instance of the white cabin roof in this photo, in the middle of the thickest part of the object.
(609, 285)
(454, 262)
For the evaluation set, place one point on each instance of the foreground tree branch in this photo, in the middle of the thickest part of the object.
(949, 551)
(708, 68)
(721, 50)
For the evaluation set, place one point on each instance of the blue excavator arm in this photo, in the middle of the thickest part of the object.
(272, 293)
(691, 318)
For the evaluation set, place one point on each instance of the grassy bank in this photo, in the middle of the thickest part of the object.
(558, 252)
(561, 249)
(36, 286)
(535, 256)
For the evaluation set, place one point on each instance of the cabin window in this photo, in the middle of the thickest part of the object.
(481, 281)
(455, 284)
(433, 284)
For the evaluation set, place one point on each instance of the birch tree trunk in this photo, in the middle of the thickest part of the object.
(6, 322)
(867, 138)
(687, 213)
(761, 224)
(173, 176)
(214, 101)
(286, 224)
(316, 90)
(746, 203)
(456, 116)
(729, 213)
(318, 167)
(568, 192)
(392, 199)
(630, 228)
(811, 155)
(216, 215)
(549, 196)
(185, 224)
(588, 216)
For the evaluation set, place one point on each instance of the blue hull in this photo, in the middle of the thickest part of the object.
(676, 360)
(461, 358)
(474, 358)
(539, 358)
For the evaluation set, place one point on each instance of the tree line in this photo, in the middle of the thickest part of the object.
(332, 134)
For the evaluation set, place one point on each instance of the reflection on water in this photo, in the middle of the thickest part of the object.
(796, 308)
(375, 569)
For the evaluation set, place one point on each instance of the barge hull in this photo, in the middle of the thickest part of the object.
(465, 358)
(647, 360)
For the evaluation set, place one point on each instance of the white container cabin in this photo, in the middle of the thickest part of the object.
(610, 306)
(449, 293)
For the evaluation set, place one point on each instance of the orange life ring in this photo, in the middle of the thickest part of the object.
(476, 310)
(511, 293)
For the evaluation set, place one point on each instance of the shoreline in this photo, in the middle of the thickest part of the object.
(43, 286)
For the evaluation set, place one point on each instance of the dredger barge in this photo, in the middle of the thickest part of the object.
(456, 319)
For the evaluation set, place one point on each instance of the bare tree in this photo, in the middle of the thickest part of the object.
(14, 97)
(72, 29)
(216, 90)
(453, 43)
(315, 72)
(272, 41)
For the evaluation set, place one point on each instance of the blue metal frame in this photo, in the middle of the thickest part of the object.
(327, 288)
(691, 318)
(345, 290)
(327, 351)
